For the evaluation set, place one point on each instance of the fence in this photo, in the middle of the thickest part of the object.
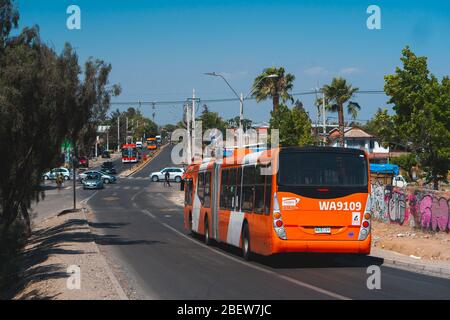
(417, 208)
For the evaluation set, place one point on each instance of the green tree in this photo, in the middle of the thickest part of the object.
(293, 124)
(382, 126)
(406, 162)
(422, 113)
(234, 123)
(338, 93)
(276, 88)
(211, 120)
(44, 99)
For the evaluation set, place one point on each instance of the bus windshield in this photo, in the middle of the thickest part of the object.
(129, 152)
(313, 169)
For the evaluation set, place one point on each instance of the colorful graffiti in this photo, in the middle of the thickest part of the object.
(417, 208)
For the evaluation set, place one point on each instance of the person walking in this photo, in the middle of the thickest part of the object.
(167, 178)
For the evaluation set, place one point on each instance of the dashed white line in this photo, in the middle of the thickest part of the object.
(286, 278)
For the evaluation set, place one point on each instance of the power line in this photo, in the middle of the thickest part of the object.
(172, 102)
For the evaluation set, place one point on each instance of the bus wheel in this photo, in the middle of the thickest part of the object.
(207, 237)
(190, 224)
(246, 253)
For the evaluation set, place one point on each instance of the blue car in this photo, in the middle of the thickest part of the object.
(93, 181)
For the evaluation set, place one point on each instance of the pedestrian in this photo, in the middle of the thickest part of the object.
(59, 180)
(167, 178)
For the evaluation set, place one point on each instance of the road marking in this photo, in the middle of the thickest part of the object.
(149, 213)
(127, 187)
(85, 200)
(286, 278)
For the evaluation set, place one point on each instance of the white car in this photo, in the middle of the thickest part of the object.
(175, 174)
(51, 175)
(399, 181)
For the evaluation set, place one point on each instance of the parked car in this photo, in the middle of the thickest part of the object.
(83, 162)
(108, 167)
(106, 178)
(93, 181)
(399, 181)
(175, 174)
(105, 154)
(110, 171)
(52, 174)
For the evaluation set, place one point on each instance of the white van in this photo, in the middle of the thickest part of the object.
(139, 144)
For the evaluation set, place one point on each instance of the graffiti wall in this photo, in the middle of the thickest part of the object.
(418, 208)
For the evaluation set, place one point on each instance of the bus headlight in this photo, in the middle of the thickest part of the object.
(278, 224)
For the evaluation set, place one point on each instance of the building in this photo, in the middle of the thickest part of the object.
(355, 137)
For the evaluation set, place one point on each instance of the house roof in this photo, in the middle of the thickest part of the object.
(351, 132)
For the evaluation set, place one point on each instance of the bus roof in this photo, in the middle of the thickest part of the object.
(246, 156)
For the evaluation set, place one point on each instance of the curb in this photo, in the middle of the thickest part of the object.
(404, 262)
(119, 290)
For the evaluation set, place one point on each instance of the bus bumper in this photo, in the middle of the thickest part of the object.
(351, 246)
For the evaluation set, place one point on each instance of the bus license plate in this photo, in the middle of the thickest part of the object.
(322, 230)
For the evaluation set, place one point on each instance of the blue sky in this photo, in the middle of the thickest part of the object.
(159, 50)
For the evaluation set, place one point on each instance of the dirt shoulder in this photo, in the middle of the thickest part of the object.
(417, 244)
(59, 246)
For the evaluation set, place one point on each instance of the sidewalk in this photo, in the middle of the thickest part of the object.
(54, 202)
(398, 260)
(57, 246)
(412, 249)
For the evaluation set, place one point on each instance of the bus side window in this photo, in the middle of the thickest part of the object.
(259, 190)
(231, 204)
(224, 189)
(238, 195)
(207, 192)
(188, 189)
(268, 194)
(200, 186)
(248, 186)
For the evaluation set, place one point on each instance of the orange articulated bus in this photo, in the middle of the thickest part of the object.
(296, 199)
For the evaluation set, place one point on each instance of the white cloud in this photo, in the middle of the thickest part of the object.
(350, 70)
(316, 71)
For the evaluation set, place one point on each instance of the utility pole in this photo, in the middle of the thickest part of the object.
(118, 134)
(188, 126)
(241, 120)
(126, 131)
(193, 124)
(74, 165)
(324, 120)
(107, 139)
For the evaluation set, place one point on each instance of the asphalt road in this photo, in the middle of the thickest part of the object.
(142, 236)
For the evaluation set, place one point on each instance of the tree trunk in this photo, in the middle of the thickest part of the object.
(26, 217)
(341, 125)
(275, 102)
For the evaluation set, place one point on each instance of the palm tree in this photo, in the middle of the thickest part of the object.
(338, 93)
(274, 87)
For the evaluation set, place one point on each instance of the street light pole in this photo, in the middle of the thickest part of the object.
(241, 99)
